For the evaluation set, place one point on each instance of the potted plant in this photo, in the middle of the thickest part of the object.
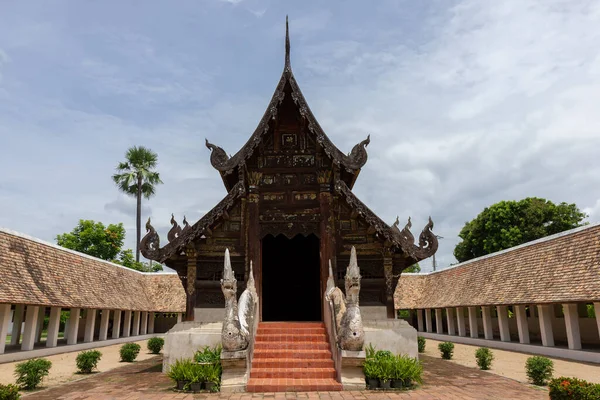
(212, 376)
(371, 370)
(177, 373)
(386, 372)
(398, 371)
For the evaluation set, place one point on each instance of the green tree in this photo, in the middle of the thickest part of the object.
(95, 239)
(126, 259)
(413, 268)
(511, 223)
(136, 177)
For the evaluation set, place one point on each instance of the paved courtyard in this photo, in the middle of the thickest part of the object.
(144, 380)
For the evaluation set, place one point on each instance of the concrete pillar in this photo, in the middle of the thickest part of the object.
(53, 326)
(73, 327)
(503, 323)
(90, 325)
(127, 323)
(451, 321)
(473, 322)
(40, 324)
(17, 322)
(4, 323)
(116, 330)
(136, 324)
(420, 320)
(460, 316)
(428, 323)
(103, 332)
(144, 323)
(151, 322)
(545, 314)
(522, 324)
(488, 332)
(31, 318)
(572, 324)
(439, 321)
(179, 317)
(597, 313)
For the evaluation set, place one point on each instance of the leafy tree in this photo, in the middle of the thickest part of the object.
(510, 223)
(126, 259)
(95, 239)
(413, 268)
(136, 177)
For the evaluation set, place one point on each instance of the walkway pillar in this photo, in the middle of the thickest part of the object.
(127, 323)
(136, 324)
(103, 332)
(144, 326)
(473, 322)
(53, 327)
(572, 324)
(179, 317)
(31, 318)
(439, 321)
(597, 313)
(428, 323)
(522, 324)
(73, 328)
(40, 324)
(116, 329)
(503, 323)
(488, 332)
(4, 323)
(460, 316)
(151, 322)
(451, 321)
(90, 325)
(545, 314)
(420, 320)
(17, 322)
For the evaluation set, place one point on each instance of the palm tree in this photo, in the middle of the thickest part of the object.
(135, 177)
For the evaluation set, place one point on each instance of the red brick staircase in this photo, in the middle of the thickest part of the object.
(292, 357)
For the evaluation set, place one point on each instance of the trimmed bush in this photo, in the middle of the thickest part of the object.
(447, 349)
(539, 370)
(30, 373)
(421, 342)
(573, 388)
(9, 392)
(484, 358)
(155, 344)
(129, 352)
(87, 360)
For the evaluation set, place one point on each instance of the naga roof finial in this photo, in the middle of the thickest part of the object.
(288, 65)
(227, 271)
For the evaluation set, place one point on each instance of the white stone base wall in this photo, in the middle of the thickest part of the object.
(395, 335)
(185, 338)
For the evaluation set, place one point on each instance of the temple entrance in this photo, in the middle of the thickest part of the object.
(291, 279)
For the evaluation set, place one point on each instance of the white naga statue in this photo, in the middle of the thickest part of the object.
(239, 321)
(350, 332)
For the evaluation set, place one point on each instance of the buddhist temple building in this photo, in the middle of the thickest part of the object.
(290, 210)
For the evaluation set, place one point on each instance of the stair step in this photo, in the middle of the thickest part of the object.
(302, 354)
(291, 330)
(291, 345)
(292, 385)
(294, 373)
(291, 337)
(292, 363)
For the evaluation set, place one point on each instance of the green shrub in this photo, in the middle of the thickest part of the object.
(208, 355)
(421, 342)
(539, 369)
(129, 352)
(9, 392)
(484, 357)
(573, 388)
(155, 344)
(177, 370)
(407, 369)
(30, 373)
(87, 360)
(447, 349)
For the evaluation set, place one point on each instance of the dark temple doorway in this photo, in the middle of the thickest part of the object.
(291, 279)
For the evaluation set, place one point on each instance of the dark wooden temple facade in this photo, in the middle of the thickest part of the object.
(289, 210)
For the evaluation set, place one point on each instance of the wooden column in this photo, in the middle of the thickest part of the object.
(326, 229)
(390, 283)
(253, 234)
(190, 290)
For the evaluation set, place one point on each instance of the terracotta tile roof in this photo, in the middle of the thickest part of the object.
(41, 273)
(556, 269)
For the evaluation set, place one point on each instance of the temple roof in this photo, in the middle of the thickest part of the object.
(561, 268)
(227, 166)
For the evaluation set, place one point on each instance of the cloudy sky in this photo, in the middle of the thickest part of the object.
(467, 102)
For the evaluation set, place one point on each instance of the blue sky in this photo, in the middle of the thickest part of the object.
(467, 102)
